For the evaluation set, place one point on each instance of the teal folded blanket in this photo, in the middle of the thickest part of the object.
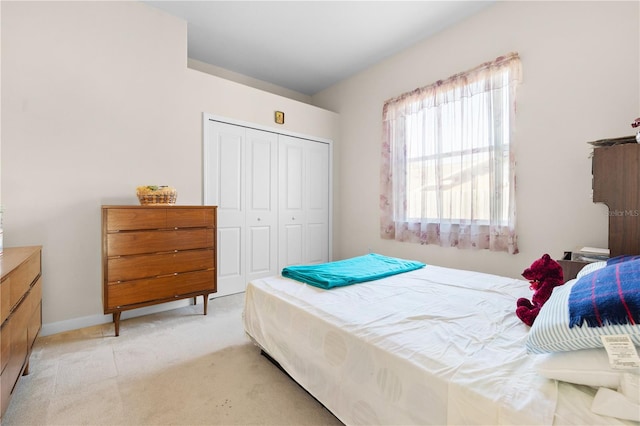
(350, 271)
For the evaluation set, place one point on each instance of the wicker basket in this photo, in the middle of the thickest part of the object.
(162, 195)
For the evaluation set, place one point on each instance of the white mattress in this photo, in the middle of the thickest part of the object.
(432, 346)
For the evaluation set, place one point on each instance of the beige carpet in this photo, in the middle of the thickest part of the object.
(177, 367)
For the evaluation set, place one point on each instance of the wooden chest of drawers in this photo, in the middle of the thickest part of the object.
(20, 314)
(156, 254)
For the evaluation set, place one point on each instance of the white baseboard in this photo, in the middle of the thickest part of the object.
(76, 323)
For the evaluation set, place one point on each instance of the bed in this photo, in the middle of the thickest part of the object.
(430, 346)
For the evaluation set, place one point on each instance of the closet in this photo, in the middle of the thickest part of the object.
(273, 196)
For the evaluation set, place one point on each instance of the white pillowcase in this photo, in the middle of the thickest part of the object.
(588, 367)
(591, 267)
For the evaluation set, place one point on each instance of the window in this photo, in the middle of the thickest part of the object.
(447, 172)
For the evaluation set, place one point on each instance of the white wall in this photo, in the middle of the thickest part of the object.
(247, 81)
(581, 65)
(96, 100)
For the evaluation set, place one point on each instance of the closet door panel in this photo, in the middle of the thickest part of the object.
(304, 201)
(291, 248)
(292, 221)
(291, 174)
(318, 176)
(259, 175)
(317, 196)
(262, 204)
(260, 261)
(230, 259)
(225, 164)
(231, 175)
(317, 245)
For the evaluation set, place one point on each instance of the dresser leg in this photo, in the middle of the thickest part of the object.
(206, 301)
(116, 321)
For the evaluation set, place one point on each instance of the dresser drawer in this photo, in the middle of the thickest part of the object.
(135, 218)
(138, 242)
(153, 265)
(5, 345)
(22, 278)
(34, 310)
(161, 288)
(6, 384)
(27, 319)
(18, 351)
(127, 219)
(5, 299)
(190, 218)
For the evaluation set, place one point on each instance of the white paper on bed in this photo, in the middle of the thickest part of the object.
(432, 346)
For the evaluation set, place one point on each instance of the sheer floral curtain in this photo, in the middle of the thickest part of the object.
(448, 170)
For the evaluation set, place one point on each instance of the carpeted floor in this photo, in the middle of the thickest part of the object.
(177, 367)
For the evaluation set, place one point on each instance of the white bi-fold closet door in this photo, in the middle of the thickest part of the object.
(272, 193)
(303, 206)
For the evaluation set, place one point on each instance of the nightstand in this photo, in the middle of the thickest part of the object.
(570, 268)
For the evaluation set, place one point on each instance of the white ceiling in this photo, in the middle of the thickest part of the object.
(308, 46)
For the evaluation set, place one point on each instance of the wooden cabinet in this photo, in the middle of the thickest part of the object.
(156, 254)
(20, 313)
(616, 183)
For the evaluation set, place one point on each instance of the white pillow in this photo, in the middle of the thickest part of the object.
(588, 367)
(550, 331)
(591, 267)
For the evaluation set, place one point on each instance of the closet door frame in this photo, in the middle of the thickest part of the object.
(209, 168)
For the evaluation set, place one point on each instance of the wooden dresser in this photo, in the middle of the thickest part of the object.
(21, 314)
(156, 254)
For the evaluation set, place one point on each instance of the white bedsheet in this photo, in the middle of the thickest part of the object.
(432, 346)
